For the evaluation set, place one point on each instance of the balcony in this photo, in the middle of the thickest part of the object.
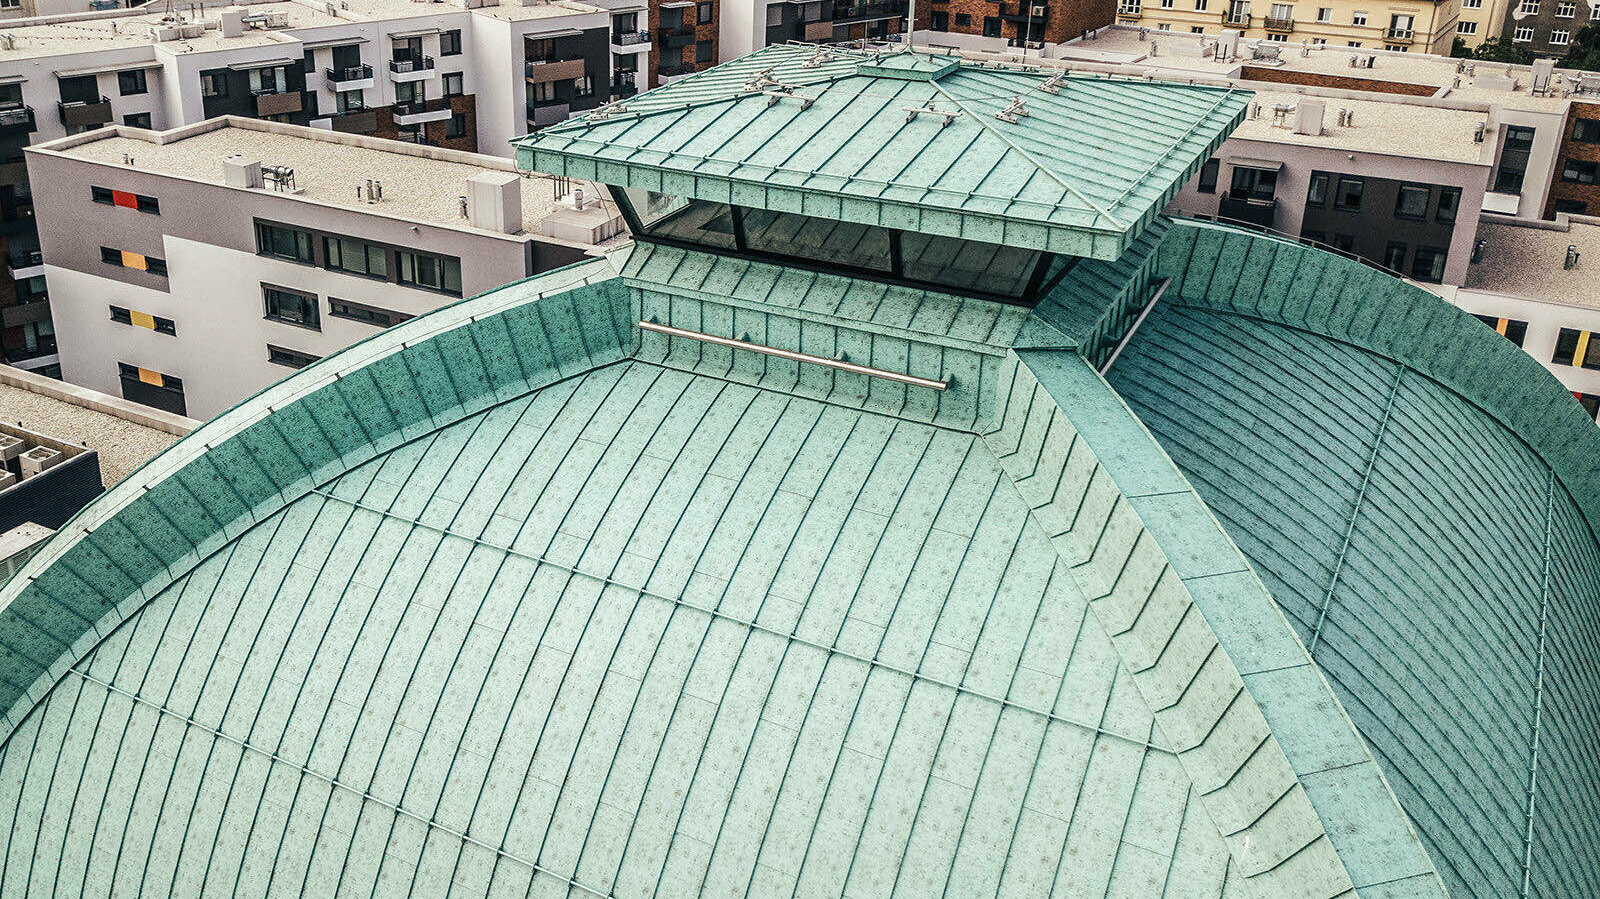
(548, 112)
(270, 103)
(868, 11)
(1398, 35)
(624, 84)
(676, 38)
(540, 71)
(420, 113)
(17, 120)
(1259, 211)
(1278, 26)
(81, 114)
(1236, 19)
(24, 262)
(349, 78)
(630, 42)
(403, 70)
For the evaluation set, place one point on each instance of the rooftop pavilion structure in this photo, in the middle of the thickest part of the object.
(910, 511)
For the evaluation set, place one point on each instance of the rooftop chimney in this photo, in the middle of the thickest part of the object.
(494, 202)
(1308, 117)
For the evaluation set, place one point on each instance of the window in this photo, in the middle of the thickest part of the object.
(1412, 202)
(411, 92)
(1522, 35)
(1560, 37)
(1196, 29)
(1449, 205)
(346, 254)
(360, 312)
(269, 80)
(1589, 402)
(1427, 264)
(1348, 195)
(1586, 130)
(1394, 256)
(1320, 41)
(349, 101)
(1577, 348)
(1352, 43)
(991, 26)
(702, 51)
(152, 388)
(278, 355)
(1164, 26)
(1566, 9)
(214, 85)
(1527, 8)
(456, 127)
(1572, 207)
(1317, 191)
(1207, 181)
(453, 84)
(702, 13)
(1467, 28)
(137, 120)
(583, 86)
(1343, 242)
(964, 19)
(125, 259)
(291, 307)
(130, 83)
(1472, 4)
(284, 243)
(940, 20)
(1514, 159)
(1200, 5)
(1278, 38)
(1510, 329)
(1324, 14)
(1167, 4)
(1254, 184)
(1577, 171)
(1359, 18)
(441, 273)
(155, 323)
(109, 197)
(450, 42)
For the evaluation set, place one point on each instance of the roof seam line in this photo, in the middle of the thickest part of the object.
(793, 638)
(1538, 685)
(1053, 175)
(1355, 512)
(330, 780)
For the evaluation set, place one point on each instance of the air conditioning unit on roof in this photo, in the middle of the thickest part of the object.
(10, 447)
(36, 460)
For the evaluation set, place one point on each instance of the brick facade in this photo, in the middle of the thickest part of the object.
(1062, 21)
(435, 131)
(1578, 151)
(682, 60)
(1341, 82)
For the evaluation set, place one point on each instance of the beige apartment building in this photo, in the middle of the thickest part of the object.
(1400, 25)
(1480, 20)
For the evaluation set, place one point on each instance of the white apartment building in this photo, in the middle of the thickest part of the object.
(190, 268)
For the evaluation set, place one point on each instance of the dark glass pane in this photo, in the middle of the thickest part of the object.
(966, 264)
(824, 241)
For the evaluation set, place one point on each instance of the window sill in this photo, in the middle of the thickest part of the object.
(293, 324)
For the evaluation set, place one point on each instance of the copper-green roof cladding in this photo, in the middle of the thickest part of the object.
(518, 598)
(1087, 164)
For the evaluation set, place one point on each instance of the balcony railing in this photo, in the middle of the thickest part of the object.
(276, 102)
(83, 114)
(677, 38)
(847, 12)
(17, 118)
(404, 66)
(629, 38)
(1262, 211)
(1398, 35)
(542, 70)
(348, 73)
(24, 258)
(1282, 26)
(422, 107)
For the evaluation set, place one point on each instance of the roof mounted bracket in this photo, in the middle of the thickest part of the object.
(773, 96)
(1012, 111)
(1052, 85)
(913, 111)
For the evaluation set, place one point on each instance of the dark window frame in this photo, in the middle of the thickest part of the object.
(1412, 191)
(288, 358)
(308, 302)
(1317, 189)
(261, 228)
(367, 315)
(444, 265)
(1339, 202)
(1210, 171)
(450, 42)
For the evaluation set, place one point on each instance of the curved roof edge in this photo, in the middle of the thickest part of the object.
(1240, 271)
(1286, 777)
(275, 446)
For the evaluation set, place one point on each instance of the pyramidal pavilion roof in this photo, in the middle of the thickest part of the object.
(680, 572)
(1069, 164)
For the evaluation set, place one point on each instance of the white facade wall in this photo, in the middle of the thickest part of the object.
(1545, 321)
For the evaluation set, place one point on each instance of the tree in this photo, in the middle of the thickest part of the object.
(1498, 49)
(1584, 52)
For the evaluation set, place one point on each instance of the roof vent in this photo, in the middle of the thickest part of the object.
(241, 171)
(494, 201)
(36, 460)
(1571, 262)
(1308, 117)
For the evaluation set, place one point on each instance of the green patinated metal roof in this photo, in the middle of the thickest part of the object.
(1087, 164)
(1435, 561)
(518, 598)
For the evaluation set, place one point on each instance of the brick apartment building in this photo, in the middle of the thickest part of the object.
(1018, 22)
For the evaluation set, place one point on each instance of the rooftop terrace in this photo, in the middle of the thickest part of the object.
(421, 184)
(120, 431)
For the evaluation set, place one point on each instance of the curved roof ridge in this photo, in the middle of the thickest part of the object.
(1293, 787)
(1230, 269)
(227, 475)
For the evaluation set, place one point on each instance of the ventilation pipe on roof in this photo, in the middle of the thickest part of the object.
(1571, 261)
(1308, 117)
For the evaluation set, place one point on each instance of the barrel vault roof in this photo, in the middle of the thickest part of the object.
(520, 598)
(1072, 164)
